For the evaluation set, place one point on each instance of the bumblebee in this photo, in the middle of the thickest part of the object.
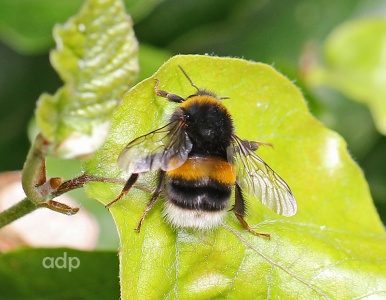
(200, 161)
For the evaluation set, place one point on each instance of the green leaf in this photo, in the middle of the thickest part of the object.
(333, 248)
(96, 57)
(62, 274)
(355, 65)
(30, 31)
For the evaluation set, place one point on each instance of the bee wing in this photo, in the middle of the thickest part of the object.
(166, 148)
(257, 179)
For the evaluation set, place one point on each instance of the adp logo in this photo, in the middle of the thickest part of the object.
(61, 262)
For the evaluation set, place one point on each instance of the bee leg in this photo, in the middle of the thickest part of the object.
(239, 210)
(167, 95)
(129, 183)
(153, 199)
(255, 145)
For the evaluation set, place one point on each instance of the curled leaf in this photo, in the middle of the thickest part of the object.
(96, 56)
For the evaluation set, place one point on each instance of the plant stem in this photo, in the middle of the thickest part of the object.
(34, 171)
(17, 211)
(40, 191)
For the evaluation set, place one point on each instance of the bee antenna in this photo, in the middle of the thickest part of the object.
(190, 80)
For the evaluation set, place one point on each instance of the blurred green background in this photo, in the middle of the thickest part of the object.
(286, 34)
